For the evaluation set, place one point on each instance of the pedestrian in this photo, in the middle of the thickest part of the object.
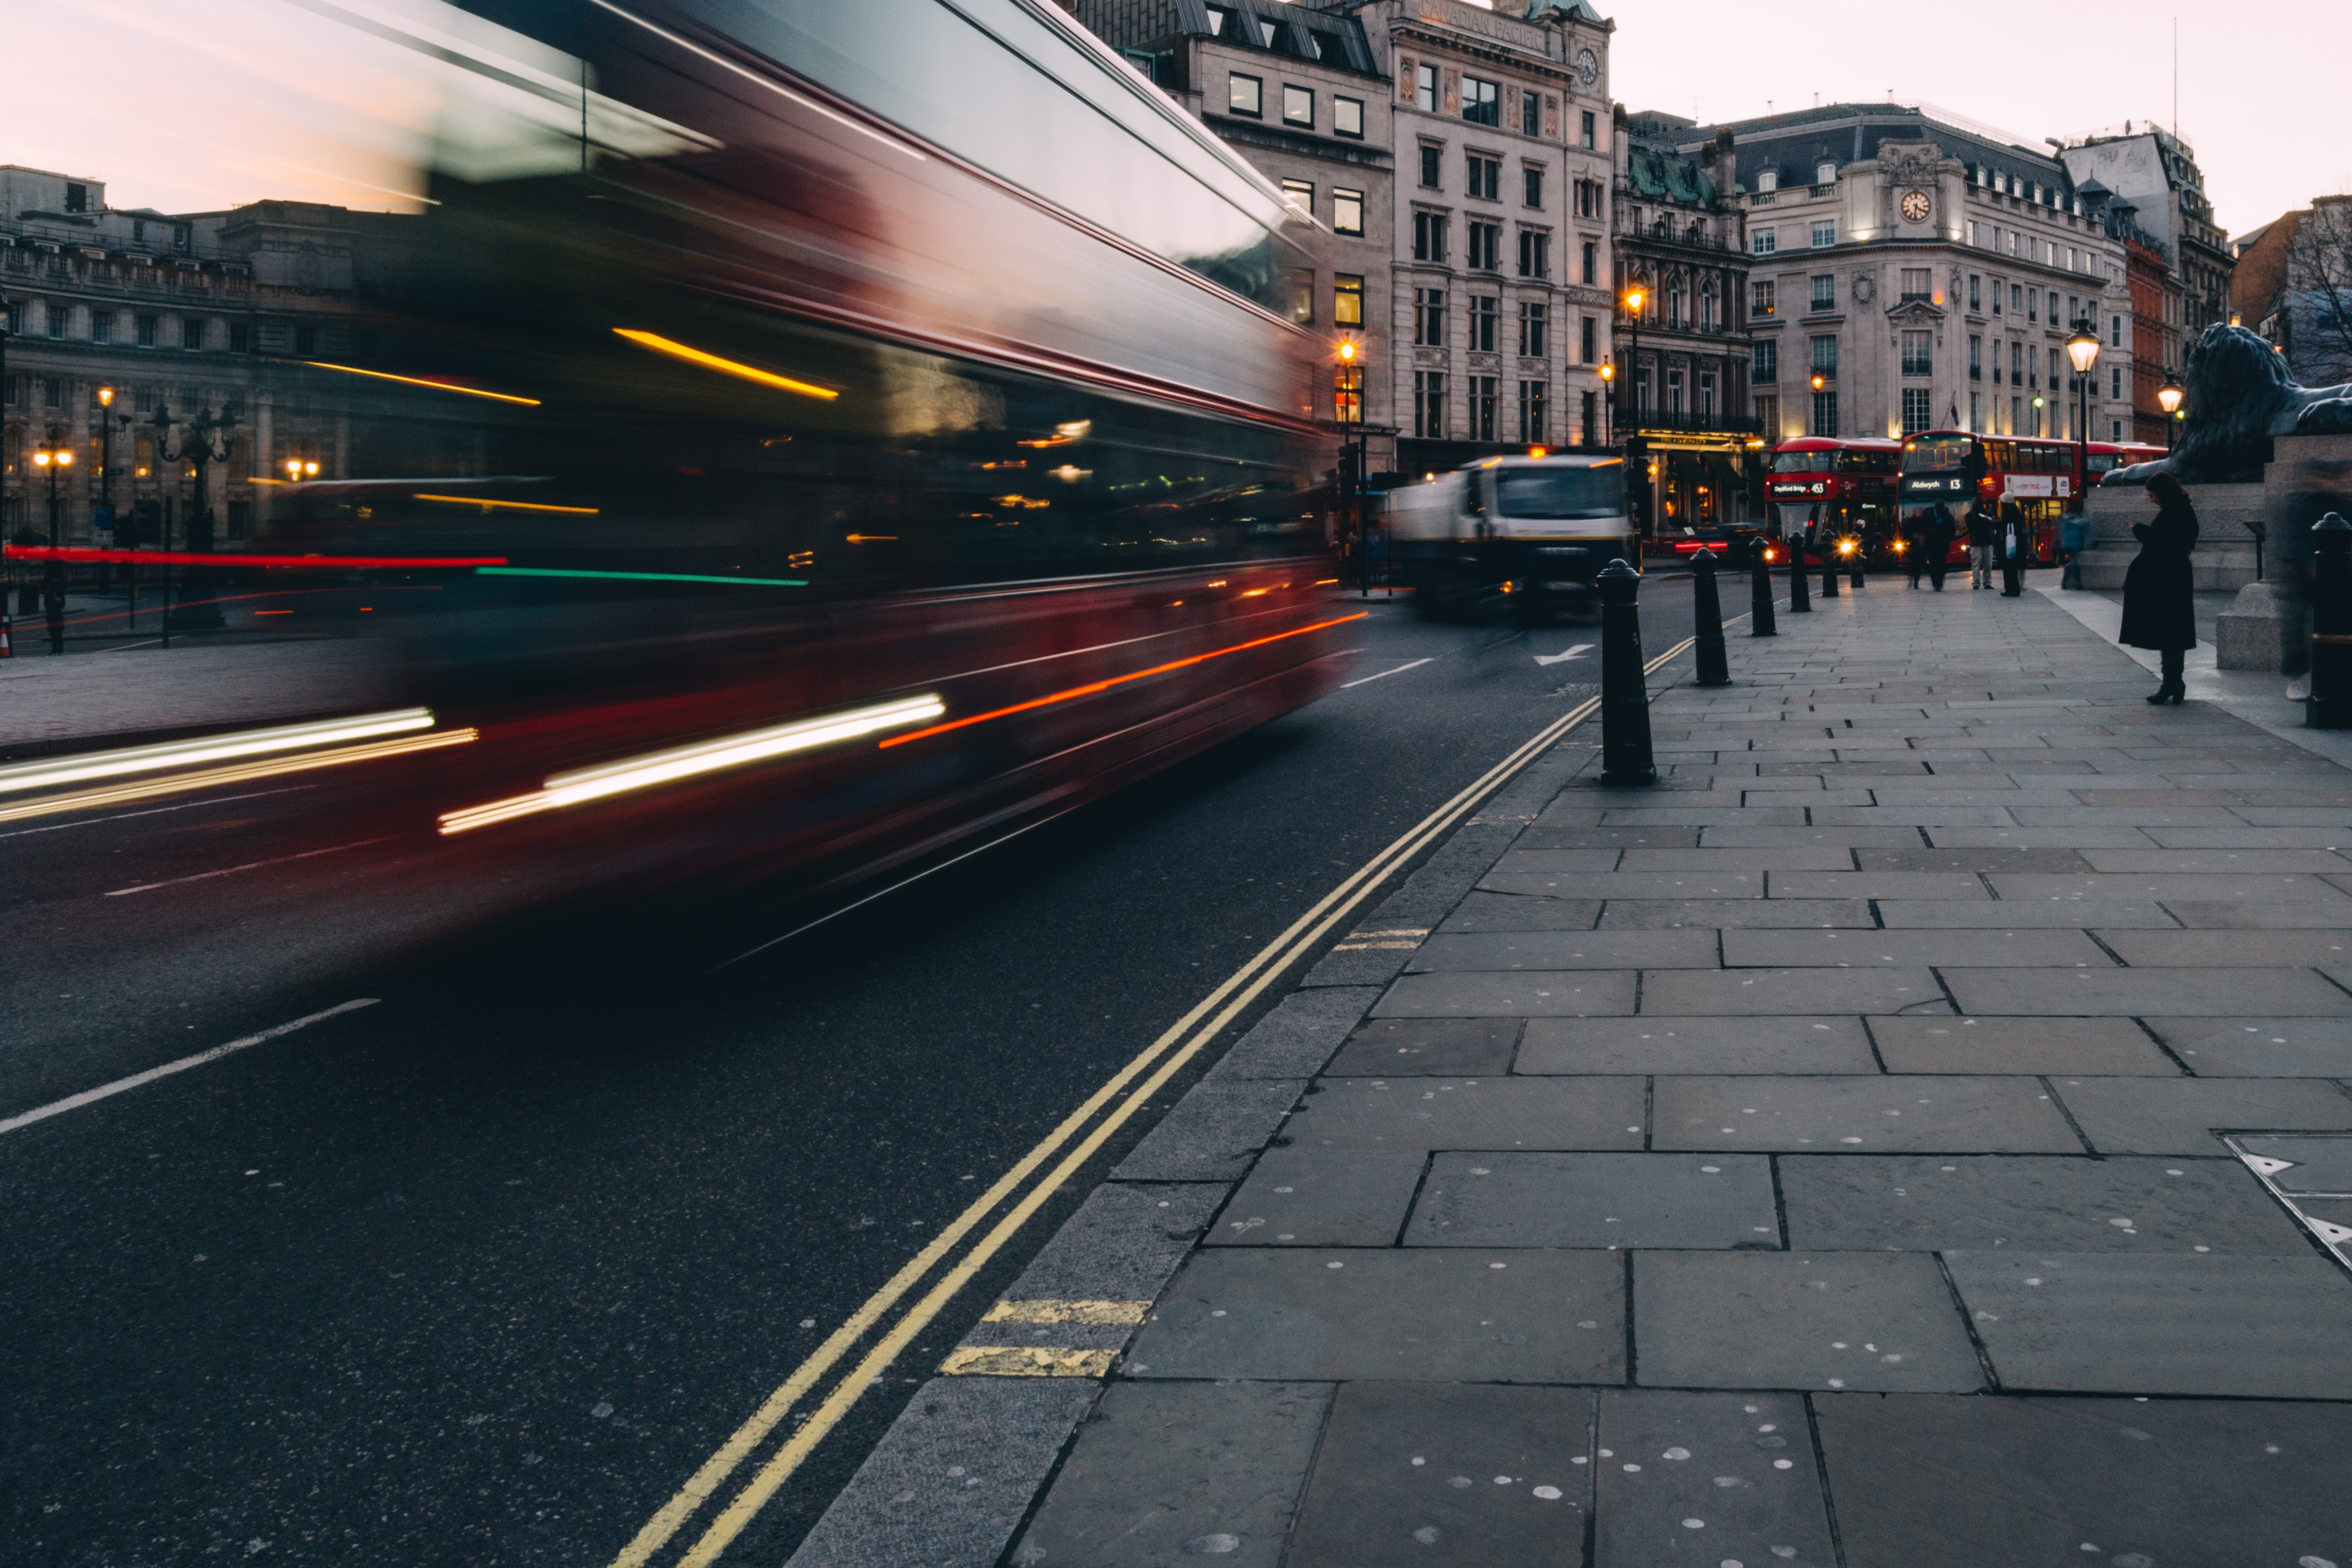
(2073, 538)
(1910, 543)
(1938, 544)
(2159, 612)
(1981, 522)
(2012, 546)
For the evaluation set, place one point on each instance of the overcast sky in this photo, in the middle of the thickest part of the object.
(206, 105)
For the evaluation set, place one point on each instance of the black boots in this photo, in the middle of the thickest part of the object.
(2170, 692)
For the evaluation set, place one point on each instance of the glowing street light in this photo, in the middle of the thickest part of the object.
(2168, 397)
(2083, 349)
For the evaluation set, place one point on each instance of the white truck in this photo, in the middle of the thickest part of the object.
(1531, 531)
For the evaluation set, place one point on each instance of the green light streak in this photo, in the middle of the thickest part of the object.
(640, 577)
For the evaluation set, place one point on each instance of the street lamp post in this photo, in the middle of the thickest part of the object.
(1634, 299)
(1608, 395)
(54, 457)
(204, 443)
(2168, 397)
(2083, 349)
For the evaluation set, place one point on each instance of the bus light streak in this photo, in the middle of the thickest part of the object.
(1091, 689)
(675, 349)
(506, 505)
(639, 576)
(206, 558)
(689, 761)
(421, 381)
(211, 749)
(211, 778)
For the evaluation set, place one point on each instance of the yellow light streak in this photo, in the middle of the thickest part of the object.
(506, 505)
(679, 763)
(210, 749)
(421, 381)
(675, 349)
(212, 777)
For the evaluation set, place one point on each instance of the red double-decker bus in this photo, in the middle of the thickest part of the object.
(1835, 487)
(1952, 468)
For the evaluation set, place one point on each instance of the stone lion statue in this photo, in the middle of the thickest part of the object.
(2239, 397)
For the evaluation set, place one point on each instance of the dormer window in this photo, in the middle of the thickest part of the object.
(1217, 20)
(1826, 173)
(1770, 180)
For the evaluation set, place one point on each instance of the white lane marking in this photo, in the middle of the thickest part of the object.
(1581, 648)
(154, 811)
(125, 647)
(91, 1096)
(249, 866)
(1399, 669)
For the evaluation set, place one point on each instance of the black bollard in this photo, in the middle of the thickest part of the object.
(2329, 706)
(1625, 689)
(1800, 593)
(1860, 557)
(1759, 594)
(1707, 608)
(1830, 566)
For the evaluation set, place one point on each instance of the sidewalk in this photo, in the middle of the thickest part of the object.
(1902, 1138)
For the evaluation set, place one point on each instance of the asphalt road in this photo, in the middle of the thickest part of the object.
(482, 1272)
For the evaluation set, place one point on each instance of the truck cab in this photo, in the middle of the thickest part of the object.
(1533, 533)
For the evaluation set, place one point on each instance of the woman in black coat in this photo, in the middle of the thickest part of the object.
(2159, 612)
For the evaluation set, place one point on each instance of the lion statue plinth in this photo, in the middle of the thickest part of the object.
(2239, 397)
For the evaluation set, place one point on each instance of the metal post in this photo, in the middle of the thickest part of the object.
(1759, 595)
(2329, 706)
(1801, 593)
(1829, 567)
(1706, 607)
(1625, 756)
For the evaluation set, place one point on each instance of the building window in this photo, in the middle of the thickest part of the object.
(1425, 88)
(1482, 407)
(1825, 356)
(1764, 361)
(1535, 253)
(1531, 186)
(1825, 233)
(1533, 407)
(1767, 417)
(2016, 300)
(2054, 306)
(1972, 235)
(8, 391)
(306, 341)
(1348, 395)
(1486, 177)
(1916, 284)
(1916, 413)
(1674, 392)
(1768, 181)
(1584, 340)
(53, 392)
(2016, 366)
(1245, 95)
(240, 337)
(54, 317)
(1348, 117)
(192, 332)
(1429, 318)
(2016, 415)
(102, 326)
(1299, 106)
(1298, 289)
(1301, 192)
(1429, 236)
(1429, 405)
(146, 327)
(1589, 432)
(1485, 248)
(1584, 134)
(2052, 382)
(2114, 332)
(2115, 381)
(1482, 101)
(1763, 241)
(1763, 299)
(1975, 294)
(1707, 307)
(1976, 410)
(1706, 407)
(1534, 323)
(1825, 173)
(2120, 431)
(77, 197)
(1348, 299)
(1824, 414)
(1482, 323)
(1825, 292)
(1591, 263)
(1530, 113)
(1976, 359)
(1432, 159)
(1347, 211)
(1918, 357)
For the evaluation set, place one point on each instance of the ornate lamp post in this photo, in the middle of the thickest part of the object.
(2168, 397)
(1608, 391)
(1634, 299)
(53, 456)
(2083, 349)
(206, 441)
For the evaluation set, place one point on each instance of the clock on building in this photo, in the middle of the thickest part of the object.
(1588, 66)
(1916, 206)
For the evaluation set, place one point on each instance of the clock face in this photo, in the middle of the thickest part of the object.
(1915, 206)
(1587, 67)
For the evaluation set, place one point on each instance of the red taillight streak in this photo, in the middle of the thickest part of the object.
(192, 558)
(236, 598)
(1090, 689)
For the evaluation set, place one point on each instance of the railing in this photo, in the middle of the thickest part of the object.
(1762, 198)
(1631, 418)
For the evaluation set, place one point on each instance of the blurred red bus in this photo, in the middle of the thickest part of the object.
(1953, 468)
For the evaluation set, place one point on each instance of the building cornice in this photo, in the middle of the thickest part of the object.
(1282, 139)
(1436, 34)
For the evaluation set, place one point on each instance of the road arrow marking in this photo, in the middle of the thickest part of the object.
(1561, 657)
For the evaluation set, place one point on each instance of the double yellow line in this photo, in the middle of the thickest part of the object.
(1154, 1066)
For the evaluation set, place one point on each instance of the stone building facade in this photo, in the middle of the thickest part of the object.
(1908, 272)
(2147, 328)
(2157, 172)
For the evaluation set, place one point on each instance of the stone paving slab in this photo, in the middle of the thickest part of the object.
(1298, 1037)
(1800, 1042)
(1972, 949)
(2231, 914)
(1935, 1203)
(1743, 858)
(2103, 1047)
(2231, 949)
(1948, 914)
(1706, 1478)
(2138, 886)
(2183, 1116)
(1567, 950)
(1750, 993)
(1213, 1133)
(1606, 1201)
(1321, 1197)
(2176, 992)
(1470, 1475)
(1558, 993)
(1807, 838)
(1164, 1473)
(1541, 836)
(1666, 914)
(1435, 1314)
(1929, 1481)
(2315, 1164)
(1872, 1115)
(2262, 1047)
(2265, 1327)
(1498, 1113)
(2249, 837)
(1443, 1047)
(1483, 912)
(2081, 836)
(1878, 885)
(1507, 878)
(1877, 1321)
(2235, 862)
(1971, 859)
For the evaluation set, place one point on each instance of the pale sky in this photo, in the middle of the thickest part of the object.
(223, 101)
